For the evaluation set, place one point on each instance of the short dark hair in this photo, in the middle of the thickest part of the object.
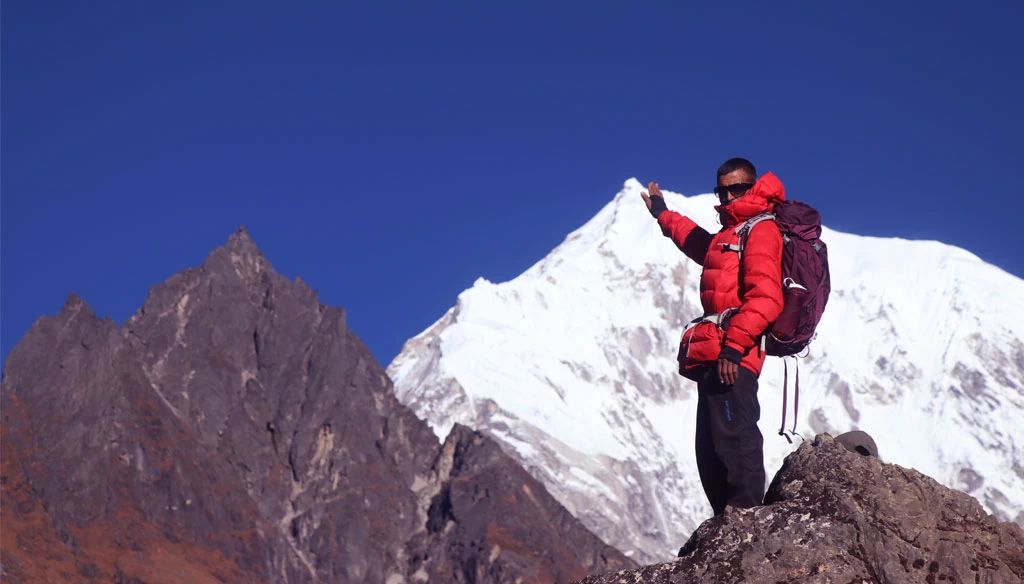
(734, 164)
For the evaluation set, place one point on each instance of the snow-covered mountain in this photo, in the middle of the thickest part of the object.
(571, 366)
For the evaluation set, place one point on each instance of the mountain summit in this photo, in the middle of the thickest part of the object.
(571, 367)
(235, 430)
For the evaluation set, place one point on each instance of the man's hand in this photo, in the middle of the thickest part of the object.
(655, 201)
(727, 371)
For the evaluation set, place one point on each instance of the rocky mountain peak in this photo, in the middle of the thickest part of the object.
(236, 430)
(239, 257)
(75, 304)
(245, 257)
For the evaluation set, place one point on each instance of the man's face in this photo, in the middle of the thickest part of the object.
(733, 186)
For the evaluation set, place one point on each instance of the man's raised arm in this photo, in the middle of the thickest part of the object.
(689, 237)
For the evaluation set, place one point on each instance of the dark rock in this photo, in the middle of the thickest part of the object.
(858, 441)
(492, 522)
(235, 430)
(832, 515)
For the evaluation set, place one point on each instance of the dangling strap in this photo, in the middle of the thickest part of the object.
(796, 396)
(785, 387)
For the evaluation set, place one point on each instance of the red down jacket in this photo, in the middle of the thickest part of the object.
(752, 286)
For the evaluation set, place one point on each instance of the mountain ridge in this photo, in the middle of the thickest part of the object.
(235, 429)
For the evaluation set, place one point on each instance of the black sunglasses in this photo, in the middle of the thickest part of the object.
(736, 189)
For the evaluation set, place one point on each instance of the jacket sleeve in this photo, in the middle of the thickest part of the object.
(689, 237)
(760, 287)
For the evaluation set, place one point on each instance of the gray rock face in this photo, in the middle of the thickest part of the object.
(832, 515)
(235, 429)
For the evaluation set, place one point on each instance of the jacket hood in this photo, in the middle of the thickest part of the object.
(761, 198)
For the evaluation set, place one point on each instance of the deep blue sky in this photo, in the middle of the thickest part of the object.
(391, 153)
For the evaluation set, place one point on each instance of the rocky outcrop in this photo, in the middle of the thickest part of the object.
(832, 515)
(235, 430)
(492, 522)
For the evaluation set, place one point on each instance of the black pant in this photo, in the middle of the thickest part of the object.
(730, 449)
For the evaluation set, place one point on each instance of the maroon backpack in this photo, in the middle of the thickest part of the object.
(805, 287)
(805, 278)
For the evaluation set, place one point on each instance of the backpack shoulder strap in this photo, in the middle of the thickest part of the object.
(743, 230)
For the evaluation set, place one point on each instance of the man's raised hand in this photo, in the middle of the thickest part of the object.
(655, 201)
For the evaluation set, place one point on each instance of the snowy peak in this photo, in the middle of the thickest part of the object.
(571, 366)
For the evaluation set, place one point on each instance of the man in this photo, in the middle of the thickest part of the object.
(741, 295)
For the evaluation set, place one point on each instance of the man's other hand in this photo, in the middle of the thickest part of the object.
(727, 371)
(655, 201)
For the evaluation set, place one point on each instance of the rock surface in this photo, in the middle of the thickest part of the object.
(831, 515)
(492, 522)
(235, 430)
